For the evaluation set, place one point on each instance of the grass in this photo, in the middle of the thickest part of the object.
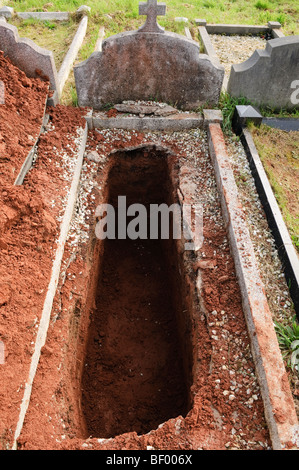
(227, 105)
(288, 339)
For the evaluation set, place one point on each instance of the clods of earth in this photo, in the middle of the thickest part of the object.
(147, 346)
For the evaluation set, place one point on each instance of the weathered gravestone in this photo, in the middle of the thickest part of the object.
(149, 64)
(270, 77)
(27, 56)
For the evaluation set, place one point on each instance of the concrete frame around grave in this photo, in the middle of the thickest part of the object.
(138, 65)
(268, 76)
(32, 59)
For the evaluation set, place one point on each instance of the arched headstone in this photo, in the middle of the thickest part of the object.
(149, 64)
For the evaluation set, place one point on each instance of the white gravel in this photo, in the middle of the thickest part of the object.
(235, 49)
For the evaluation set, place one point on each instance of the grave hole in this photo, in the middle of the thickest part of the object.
(138, 360)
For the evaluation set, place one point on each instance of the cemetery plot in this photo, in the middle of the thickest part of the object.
(54, 36)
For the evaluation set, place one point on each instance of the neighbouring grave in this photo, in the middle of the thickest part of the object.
(149, 64)
(270, 76)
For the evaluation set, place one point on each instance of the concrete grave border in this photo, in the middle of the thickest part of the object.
(273, 28)
(71, 55)
(279, 407)
(44, 15)
(29, 159)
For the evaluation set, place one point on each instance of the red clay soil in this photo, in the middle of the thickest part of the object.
(28, 227)
(225, 409)
(21, 117)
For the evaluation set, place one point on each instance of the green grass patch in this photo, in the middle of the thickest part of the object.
(288, 339)
(227, 104)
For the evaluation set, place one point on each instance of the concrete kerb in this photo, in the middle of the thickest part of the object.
(47, 308)
(278, 402)
(177, 122)
(29, 159)
(71, 55)
(45, 15)
(273, 28)
(209, 48)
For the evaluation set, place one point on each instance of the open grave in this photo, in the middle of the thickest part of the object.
(134, 340)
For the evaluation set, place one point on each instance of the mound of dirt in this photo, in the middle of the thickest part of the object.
(22, 107)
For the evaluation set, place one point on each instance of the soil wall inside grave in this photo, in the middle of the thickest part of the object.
(138, 362)
(214, 397)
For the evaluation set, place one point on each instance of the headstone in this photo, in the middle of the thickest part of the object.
(149, 64)
(270, 77)
(26, 55)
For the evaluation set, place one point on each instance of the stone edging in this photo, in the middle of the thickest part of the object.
(29, 159)
(71, 55)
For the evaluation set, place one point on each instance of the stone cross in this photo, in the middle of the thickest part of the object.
(151, 9)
